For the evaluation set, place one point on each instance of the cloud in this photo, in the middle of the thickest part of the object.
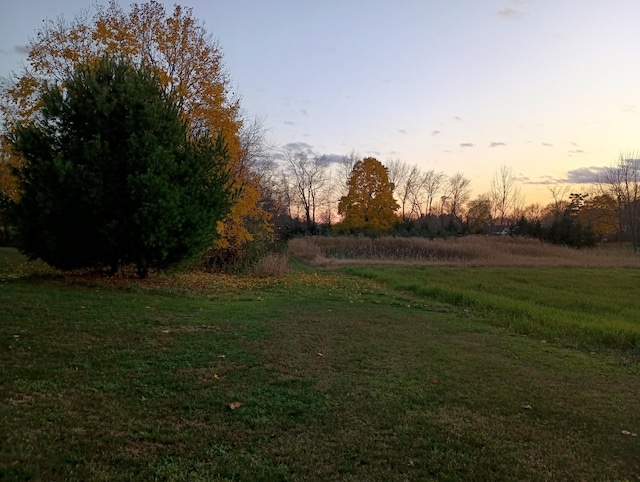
(333, 158)
(497, 144)
(459, 119)
(297, 146)
(466, 144)
(581, 175)
(576, 151)
(435, 133)
(21, 49)
(585, 175)
(546, 144)
(304, 112)
(510, 14)
(289, 123)
(402, 131)
(542, 181)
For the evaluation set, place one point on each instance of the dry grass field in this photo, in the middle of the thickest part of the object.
(469, 251)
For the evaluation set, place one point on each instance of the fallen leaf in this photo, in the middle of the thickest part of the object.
(165, 331)
(216, 377)
(319, 354)
(527, 407)
(626, 432)
(234, 405)
(434, 381)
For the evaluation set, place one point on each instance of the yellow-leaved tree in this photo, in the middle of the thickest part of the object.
(189, 63)
(369, 206)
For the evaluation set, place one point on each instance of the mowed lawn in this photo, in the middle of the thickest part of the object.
(316, 376)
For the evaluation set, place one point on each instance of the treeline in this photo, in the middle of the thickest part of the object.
(308, 188)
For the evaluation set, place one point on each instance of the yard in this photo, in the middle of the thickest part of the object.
(361, 372)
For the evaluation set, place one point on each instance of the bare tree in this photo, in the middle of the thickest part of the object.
(479, 219)
(558, 193)
(398, 171)
(505, 193)
(257, 149)
(532, 212)
(432, 183)
(308, 173)
(257, 156)
(344, 168)
(622, 181)
(406, 186)
(459, 193)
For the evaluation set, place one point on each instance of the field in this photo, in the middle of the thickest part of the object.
(467, 251)
(364, 372)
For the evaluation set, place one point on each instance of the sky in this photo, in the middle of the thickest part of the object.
(549, 88)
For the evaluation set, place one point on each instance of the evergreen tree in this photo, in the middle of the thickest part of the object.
(113, 176)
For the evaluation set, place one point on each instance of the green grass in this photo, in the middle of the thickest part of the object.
(590, 307)
(338, 377)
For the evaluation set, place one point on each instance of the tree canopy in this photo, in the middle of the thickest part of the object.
(369, 206)
(189, 64)
(113, 175)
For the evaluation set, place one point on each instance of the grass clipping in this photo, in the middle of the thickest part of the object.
(468, 251)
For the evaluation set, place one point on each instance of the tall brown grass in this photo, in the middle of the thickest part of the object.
(274, 265)
(464, 251)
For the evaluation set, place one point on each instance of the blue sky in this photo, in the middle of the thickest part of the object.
(550, 88)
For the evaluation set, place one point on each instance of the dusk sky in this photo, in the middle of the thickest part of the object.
(550, 88)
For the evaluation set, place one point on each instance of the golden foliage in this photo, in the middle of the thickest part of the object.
(600, 212)
(188, 61)
(369, 204)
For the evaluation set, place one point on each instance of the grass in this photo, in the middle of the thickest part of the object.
(467, 251)
(590, 307)
(337, 377)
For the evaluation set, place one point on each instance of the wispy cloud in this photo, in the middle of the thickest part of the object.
(435, 133)
(497, 144)
(466, 144)
(21, 49)
(459, 119)
(289, 123)
(510, 14)
(581, 175)
(297, 146)
(585, 175)
(333, 158)
(402, 131)
(542, 181)
(576, 151)
(546, 144)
